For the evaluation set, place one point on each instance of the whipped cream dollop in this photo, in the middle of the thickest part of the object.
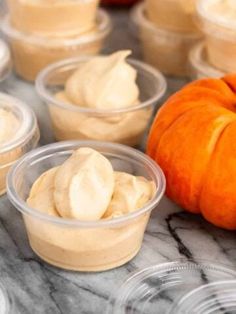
(85, 187)
(41, 193)
(130, 193)
(104, 82)
(8, 125)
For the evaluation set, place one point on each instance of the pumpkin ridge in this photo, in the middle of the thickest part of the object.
(154, 127)
(211, 158)
(188, 194)
(152, 132)
(230, 80)
(199, 93)
(219, 206)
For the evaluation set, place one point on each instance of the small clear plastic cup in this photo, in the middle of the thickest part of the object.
(213, 298)
(5, 60)
(81, 245)
(126, 125)
(25, 139)
(166, 50)
(199, 65)
(173, 15)
(220, 34)
(159, 288)
(53, 18)
(32, 52)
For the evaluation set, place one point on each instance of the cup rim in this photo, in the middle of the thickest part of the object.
(25, 209)
(196, 294)
(138, 17)
(28, 124)
(42, 91)
(198, 63)
(203, 13)
(5, 60)
(104, 26)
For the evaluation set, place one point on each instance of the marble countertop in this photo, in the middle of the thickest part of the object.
(171, 234)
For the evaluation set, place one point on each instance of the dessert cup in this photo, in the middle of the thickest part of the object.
(220, 37)
(55, 18)
(31, 53)
(173, 15)
(126, 125)
(166, 50)
(80, 245)
(5, 60)
(199, 65)
(26, 138)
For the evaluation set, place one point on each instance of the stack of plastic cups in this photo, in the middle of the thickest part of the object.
(167, 32)
(217, 21)
(43, 32)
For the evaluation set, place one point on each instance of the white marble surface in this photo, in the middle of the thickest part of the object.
(171, 234)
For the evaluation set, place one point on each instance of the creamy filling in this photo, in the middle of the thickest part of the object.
(223, 11)
(8, 126)
(104, 82)
(86, 187)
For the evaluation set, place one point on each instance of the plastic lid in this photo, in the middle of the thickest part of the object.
(214, 298)
(158, 288)
(4, 301)
(198, 62)
(5, 60)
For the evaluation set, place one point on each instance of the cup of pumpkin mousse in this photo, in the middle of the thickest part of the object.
(86, 204)
(50, 17)
(19, 133)
(106, 98)
(217, 20)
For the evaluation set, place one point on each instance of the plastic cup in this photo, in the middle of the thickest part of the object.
(81, 245)
(166, 50)
(126, 126)
(32, 52)
(220, 34)
(173, 15)
(53, 18)
(26, 138)
(199, 65)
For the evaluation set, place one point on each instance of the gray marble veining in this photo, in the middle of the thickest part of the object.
(39, 288)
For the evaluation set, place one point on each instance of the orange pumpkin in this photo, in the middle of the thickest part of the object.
(193, 139)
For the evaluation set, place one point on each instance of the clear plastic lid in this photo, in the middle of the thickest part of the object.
(5, 60)
(4, 301)
(159, 288)
(199, 64)
(214, 298)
